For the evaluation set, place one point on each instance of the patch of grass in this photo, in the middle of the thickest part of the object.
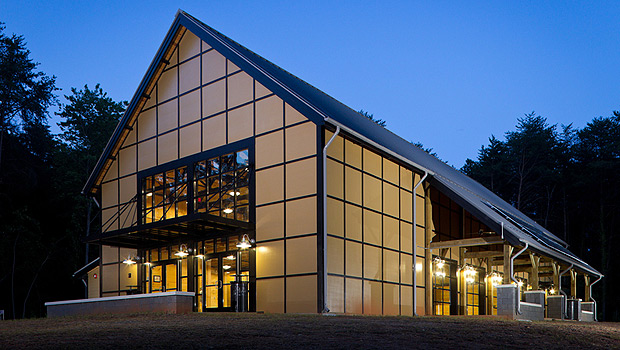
(263, 331)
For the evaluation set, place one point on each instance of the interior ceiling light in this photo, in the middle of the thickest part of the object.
(245, 242)
(226, 267)
(149, 194)
(231, 257)
(234, 193)
(228, 210)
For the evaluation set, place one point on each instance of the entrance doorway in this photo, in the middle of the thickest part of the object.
(164, 276)
(220, 270)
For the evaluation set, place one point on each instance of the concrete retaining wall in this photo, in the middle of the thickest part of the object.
(170, 302)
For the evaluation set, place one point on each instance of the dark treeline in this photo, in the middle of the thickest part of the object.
(43, 217)
(568, 180)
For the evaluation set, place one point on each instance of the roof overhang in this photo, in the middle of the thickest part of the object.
(184, 229)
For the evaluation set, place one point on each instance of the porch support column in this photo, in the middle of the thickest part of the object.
(534, 276)
(587, 287)
(428, 254)
(489, 286)
(573, 283)
(462, 283)
(556, 276)
(507, 255)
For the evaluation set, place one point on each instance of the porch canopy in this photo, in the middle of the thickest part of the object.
(186, 228)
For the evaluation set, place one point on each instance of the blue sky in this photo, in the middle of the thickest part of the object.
(448, 74)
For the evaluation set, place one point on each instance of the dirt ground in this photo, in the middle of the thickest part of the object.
(264, 331)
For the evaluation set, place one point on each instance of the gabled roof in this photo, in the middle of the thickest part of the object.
(322, 109)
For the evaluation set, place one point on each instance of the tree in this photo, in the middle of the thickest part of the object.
(370, 116)
(25, 93)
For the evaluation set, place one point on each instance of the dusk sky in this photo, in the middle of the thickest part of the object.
(448, 74)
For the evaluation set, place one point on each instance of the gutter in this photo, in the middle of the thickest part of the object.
(599, 278)
(512, 273)
(325, 308)
(415, 247)
(562, 292)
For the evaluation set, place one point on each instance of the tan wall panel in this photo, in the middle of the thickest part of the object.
(109, 219)
(336, 148)
(335, 179)
(269, 149)
(390, 233)
(390, 199)
(406, 178)
(174, 59)
(301, 178)
(268, 114)
(391, 299)
(335, 294)
(406, 206)
(205, 46)
(335, 255)
(112, 172)
(406, 301)
(300, 141)
(147, 154)
(212, 134)
(354, 259)
(353, 302)
(419, 210)
(419, 271)
(109, 194)
(270, 259)
(391, 266)
(301, 255)
(406, 269)
(372, 192)
(167, 116)
(213, 66)
(240, 89)
(93, 283)
(147, 124)
(109, 274)
(189, 75)
(406, 236)
(240, 123)
(270, 295)
(301, 216)
(127, 160)
(189, 108)
(372, 227)
(128, 217)
(260, 90)
(131, 137)
(335, 217)
(214, 98)
(372, 162)
(231, 67)
(419, 244)
(270, 185)
(167, 86)
(189, 46)
(353, 188)
(150, 102)
(420, 190)
(109, 254)
(373, 295)
(126, 253)
(167, 147)
(353, 222)
(190, 140)
(372, 262)
(129, 186)
(301, 294)
(270, 222)
(391, 171)
(292, 116)
(420, 306)
(353, 154)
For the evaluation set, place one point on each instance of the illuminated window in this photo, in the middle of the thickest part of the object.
(443, 278)
(164, 195)
(221, 186)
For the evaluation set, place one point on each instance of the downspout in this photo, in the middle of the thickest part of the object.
(415, 247)
(512, 277)
(325, 308)
(599, 278)
(562, 292)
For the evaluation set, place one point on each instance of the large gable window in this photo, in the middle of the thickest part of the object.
(221, 186)
(164, 195)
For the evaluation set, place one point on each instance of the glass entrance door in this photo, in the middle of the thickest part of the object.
(163, 277)
(219, 271)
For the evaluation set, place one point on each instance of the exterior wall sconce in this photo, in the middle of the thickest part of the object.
(182, 251)
(130, 260)
(470, 274)
(245, 242)
(495, 278)
(439, 264)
